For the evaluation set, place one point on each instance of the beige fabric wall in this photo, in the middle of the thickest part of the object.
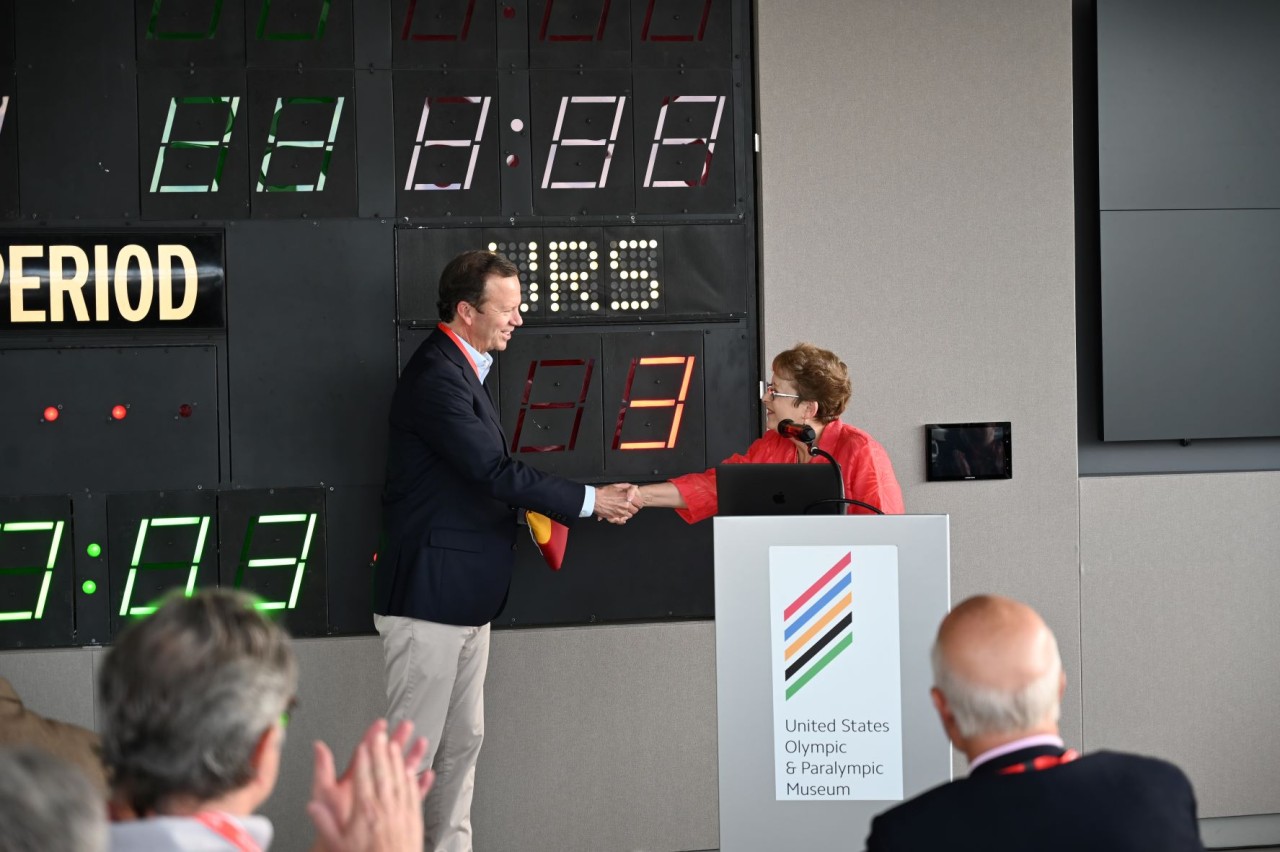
(1180, 583)
(918, 219)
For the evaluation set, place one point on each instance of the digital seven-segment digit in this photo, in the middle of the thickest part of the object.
(158, 543)
(194, 27)
(555, 396)
(436, 178)
(579, 33)
(685, 136)
(285, 27)
(684, 365)
(34, 559)
(612, 104)
(306, 527)
(37, 608)
(584, 25)
(218, 147)
(446, 141)
(583, 143)
(181, 568)
(681, 34)
(274, 143)
(272, 543)
(4, 108)
(410, 30)
(708, 141)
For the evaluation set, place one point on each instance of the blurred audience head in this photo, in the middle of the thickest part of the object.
(193, 698)
(997, 674)
(48, 805)
(819, 376)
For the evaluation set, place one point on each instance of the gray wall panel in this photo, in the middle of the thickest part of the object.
(918, 220)
(1179, 591)
(57, 684)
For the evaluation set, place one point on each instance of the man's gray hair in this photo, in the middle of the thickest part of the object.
(48, 805)
(186, 695)
(981, 710)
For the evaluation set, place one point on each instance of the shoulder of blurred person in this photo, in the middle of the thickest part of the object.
(19, 725)
(185, 834)
(48, 805)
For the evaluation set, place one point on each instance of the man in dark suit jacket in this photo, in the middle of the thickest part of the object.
(998, 688)
(449, 530)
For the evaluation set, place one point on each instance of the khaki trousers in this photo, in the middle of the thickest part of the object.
(435, 679)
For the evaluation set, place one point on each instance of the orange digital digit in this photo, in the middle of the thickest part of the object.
(676, 403)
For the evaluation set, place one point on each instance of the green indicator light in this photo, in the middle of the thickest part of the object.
(94, 550)
(88, 586)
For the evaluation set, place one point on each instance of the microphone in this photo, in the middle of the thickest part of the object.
(797, 431)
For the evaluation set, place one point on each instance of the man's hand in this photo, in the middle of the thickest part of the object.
(376, 805)
(614, 502)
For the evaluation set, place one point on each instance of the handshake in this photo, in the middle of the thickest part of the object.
(618, 503)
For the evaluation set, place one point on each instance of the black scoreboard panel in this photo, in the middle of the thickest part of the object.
(337, 154)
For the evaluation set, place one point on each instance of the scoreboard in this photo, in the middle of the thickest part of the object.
(222, 224)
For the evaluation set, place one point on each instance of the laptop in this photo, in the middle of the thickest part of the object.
(776, 489)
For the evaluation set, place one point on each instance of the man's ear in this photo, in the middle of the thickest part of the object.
(266, 745)
(947, 718)
(1062, 685)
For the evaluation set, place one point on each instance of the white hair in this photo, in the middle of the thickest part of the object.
(981, 710)
(47, 805)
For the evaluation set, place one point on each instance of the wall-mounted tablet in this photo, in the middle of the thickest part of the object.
(968, 451)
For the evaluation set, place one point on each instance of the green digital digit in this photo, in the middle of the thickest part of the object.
(221, 145)
(299, 564)
(314, 35)
(136, 565)
(274, 142)
(153, 27)
(14, 527)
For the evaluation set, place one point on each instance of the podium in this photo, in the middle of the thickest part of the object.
(823, 632)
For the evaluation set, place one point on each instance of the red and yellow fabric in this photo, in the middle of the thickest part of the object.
(550, 536)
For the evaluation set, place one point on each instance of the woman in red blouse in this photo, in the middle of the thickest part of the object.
(809, 385)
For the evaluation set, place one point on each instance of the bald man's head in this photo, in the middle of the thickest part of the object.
(996, 664)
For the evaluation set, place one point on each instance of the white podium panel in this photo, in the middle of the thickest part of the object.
(823, 629)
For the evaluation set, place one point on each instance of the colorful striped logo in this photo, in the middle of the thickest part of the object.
(823, 626)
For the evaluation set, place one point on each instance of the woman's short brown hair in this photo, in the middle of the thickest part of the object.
(818, 376)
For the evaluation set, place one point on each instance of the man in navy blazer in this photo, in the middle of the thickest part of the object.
(449, 530)
(998, 688)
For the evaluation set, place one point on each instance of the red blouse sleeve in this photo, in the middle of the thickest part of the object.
(699, 489)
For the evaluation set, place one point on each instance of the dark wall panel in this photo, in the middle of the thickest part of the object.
(312, 359)
(1189, 308)
(1187, 110)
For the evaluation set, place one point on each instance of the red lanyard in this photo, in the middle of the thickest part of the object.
(453, 335)
(1044, 761)
(232, 831)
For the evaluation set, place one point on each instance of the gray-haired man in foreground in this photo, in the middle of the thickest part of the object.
(998, 686)
(195, 700)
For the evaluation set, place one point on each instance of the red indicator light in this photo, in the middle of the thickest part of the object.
(184, 410)
(513, 160)
(508, 12)
(119, 412)
(51, 414)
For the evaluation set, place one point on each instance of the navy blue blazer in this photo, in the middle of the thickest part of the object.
(1104, 801)
(451, 495)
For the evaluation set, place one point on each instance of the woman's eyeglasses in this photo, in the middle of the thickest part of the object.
(767, 391)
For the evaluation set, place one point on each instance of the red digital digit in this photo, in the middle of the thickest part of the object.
(579, 404)
(407, 34)
(607, 144)
(423, 143)
(702, 25)
(676, 405)
(709, 141)
(590, 36)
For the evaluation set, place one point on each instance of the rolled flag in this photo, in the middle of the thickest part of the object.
(549, 536)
